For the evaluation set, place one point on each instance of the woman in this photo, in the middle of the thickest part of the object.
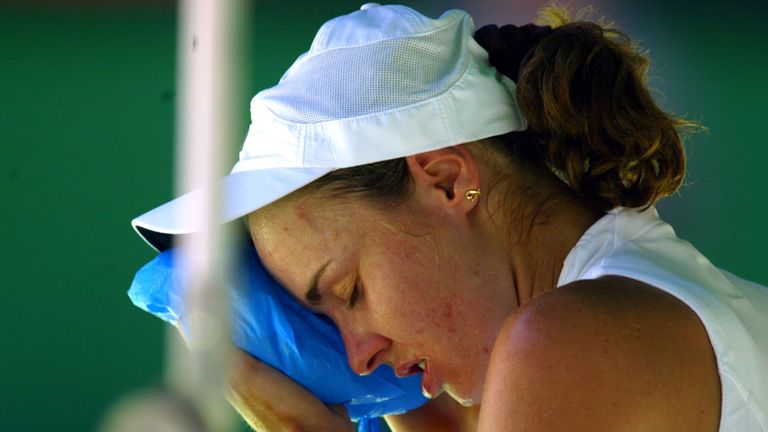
(428, 188)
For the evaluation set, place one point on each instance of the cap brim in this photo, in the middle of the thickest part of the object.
(242, 192)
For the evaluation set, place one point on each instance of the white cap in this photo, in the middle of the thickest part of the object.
(380, 83)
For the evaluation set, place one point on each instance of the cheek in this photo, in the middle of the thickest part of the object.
(414, 300)
(418, 288)
(397, 290)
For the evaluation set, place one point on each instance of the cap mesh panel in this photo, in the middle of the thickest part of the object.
(351, 82)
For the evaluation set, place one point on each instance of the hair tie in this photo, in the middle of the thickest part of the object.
(507, 46)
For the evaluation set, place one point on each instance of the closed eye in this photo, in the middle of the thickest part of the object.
(353, 296)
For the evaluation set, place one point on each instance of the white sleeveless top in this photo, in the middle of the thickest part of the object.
(640, 246)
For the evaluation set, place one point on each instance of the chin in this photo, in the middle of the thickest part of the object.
(464, 399)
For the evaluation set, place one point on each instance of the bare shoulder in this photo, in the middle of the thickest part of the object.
(601, 355)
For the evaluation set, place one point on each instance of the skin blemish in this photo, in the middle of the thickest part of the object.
(305, 212)
(301, 211)
(447, 316)
(448, 311)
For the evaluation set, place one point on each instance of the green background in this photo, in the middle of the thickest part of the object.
(87, 94)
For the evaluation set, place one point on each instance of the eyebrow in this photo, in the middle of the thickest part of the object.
(312, 294)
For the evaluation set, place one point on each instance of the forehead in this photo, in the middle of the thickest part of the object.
(302, 221)
(295, 238)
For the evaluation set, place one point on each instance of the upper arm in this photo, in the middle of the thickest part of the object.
(602, 355)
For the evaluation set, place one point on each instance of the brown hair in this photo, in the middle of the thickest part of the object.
(591, 120)
(583, 91)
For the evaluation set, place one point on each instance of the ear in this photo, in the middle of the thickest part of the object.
(444, 176)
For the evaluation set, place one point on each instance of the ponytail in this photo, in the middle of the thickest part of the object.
(582, 88)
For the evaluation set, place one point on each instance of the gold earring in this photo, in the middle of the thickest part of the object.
(472, 194)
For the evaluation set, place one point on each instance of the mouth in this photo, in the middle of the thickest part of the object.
(412, 367)
(431, 387)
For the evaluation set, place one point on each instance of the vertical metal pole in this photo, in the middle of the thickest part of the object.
(211, 33)
(205, 129)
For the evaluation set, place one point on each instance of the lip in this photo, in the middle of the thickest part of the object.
(431, 386)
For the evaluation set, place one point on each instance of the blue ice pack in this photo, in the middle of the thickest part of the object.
(267, 322)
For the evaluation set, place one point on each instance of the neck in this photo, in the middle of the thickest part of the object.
(539, 244)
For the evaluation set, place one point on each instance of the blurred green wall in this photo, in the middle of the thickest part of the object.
(86, 131)
(87, 118)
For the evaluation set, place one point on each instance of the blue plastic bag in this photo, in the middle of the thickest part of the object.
(267, 322)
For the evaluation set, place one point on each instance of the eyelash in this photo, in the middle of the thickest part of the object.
(354, 296)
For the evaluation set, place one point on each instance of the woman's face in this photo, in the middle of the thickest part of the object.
(404, 286)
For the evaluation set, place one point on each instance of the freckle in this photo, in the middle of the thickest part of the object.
(486, 350)
(448, 311)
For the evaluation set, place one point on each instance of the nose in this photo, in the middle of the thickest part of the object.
(365, 351)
